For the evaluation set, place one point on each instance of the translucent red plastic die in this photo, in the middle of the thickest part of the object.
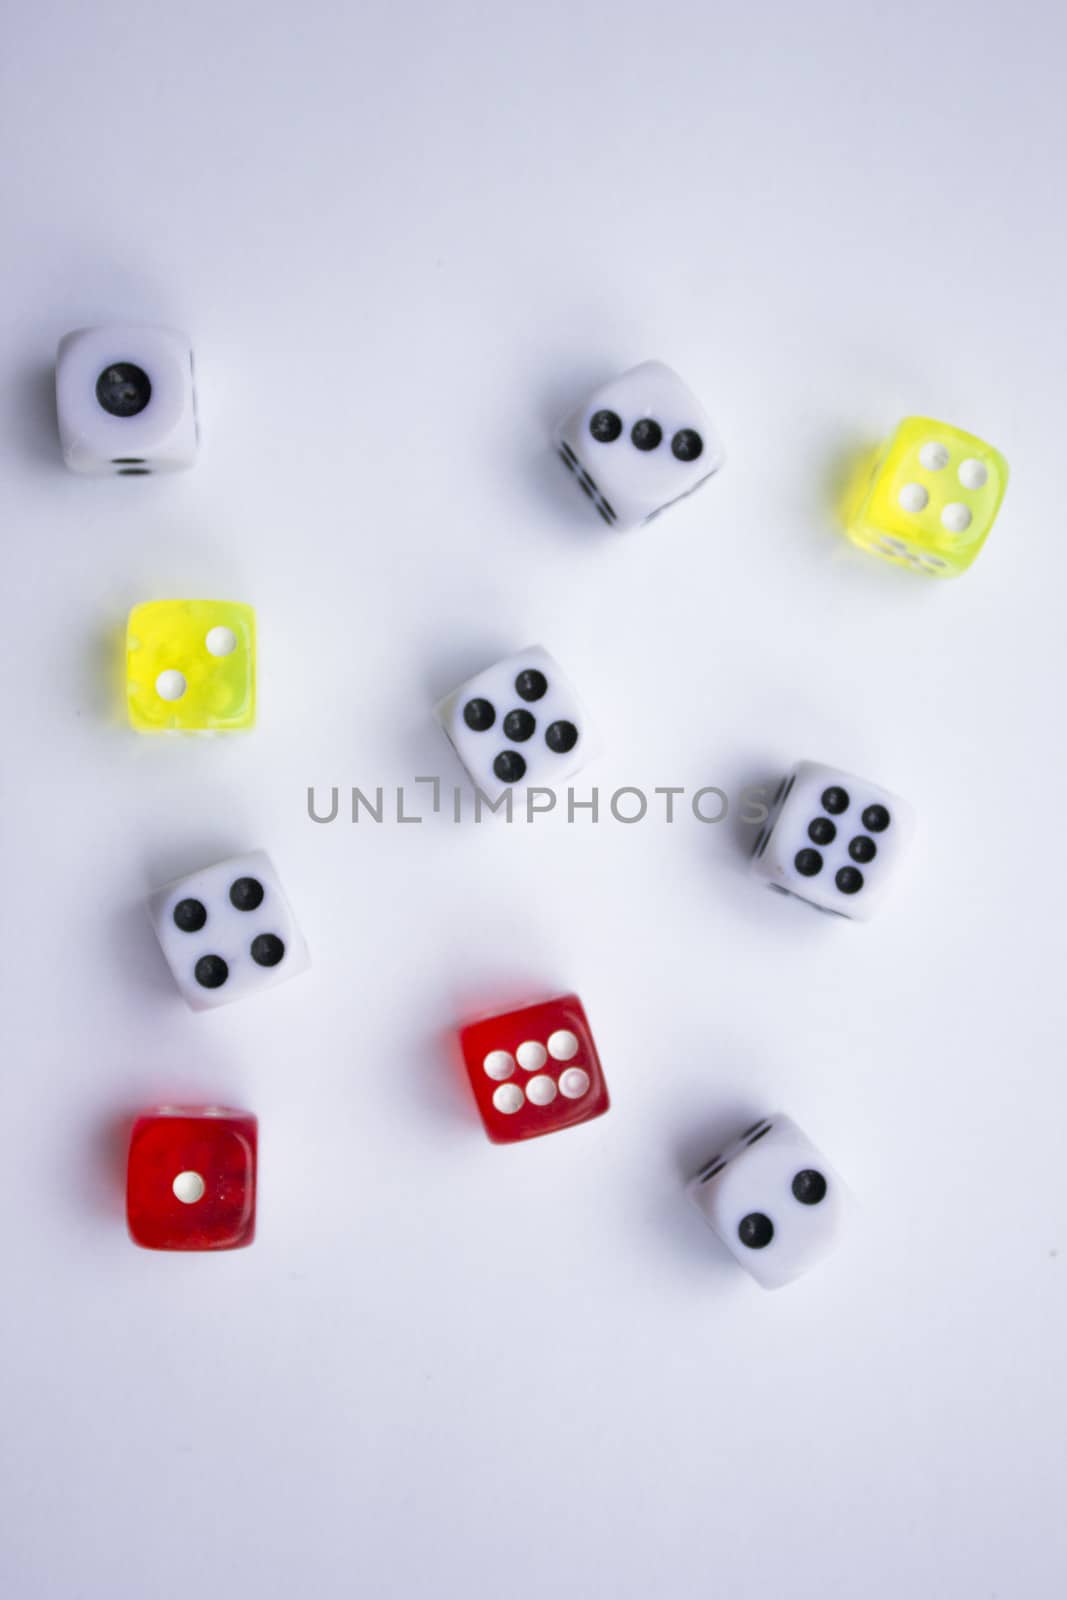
(534, 1071)
(191, 1179)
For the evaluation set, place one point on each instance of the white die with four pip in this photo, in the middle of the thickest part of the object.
(518, 724)
(833, 839)
(228, 931)
(774, 1201)
(638, 444)
(125, 401)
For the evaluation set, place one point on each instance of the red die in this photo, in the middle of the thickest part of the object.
(191, 1179)
(534, 1071)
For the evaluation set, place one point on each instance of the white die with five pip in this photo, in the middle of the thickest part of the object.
(519, 724)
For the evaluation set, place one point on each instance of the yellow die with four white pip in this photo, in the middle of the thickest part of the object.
(191, 666)
(931, 499)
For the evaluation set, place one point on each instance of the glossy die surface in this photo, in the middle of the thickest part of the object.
(833, 839)
(191, 1179)
(932, 498)
(191, 666)
(228, 931)
(638, 444)
(774, 1201)
(518, 723)
(125, 401)
(535, 1070)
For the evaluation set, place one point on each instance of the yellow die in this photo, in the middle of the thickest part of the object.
(931, 498)
(191, 666)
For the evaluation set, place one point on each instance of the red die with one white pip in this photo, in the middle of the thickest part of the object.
(191, 1179)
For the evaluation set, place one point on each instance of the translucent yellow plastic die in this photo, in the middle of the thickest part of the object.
(932, 498)
(191, 666)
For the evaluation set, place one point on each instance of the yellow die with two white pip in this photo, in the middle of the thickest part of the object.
(191, 666)
(931, 499)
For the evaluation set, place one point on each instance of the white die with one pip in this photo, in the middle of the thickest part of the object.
(638, 444)
(518, 724)
(125, 401)
(228, 931)
(833, 839)
(774, 1201)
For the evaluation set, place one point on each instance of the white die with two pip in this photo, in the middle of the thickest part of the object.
(774, 1201)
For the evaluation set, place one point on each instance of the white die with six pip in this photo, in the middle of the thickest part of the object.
(518, 724)
(774, 1201)
(227, 931)
(833, 839)
(638, 444)
(126, 401)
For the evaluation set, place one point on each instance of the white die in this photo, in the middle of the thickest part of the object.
(638, 444)
(125, 400)
(228, 931)
(833, 840)
(517, 724)
(773, 1200)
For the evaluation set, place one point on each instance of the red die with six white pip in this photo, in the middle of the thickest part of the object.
(535, 1070)
(191, 1179)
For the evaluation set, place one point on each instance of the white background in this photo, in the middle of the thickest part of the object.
(404, 238)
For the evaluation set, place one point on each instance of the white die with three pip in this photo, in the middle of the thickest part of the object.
(638, 444)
